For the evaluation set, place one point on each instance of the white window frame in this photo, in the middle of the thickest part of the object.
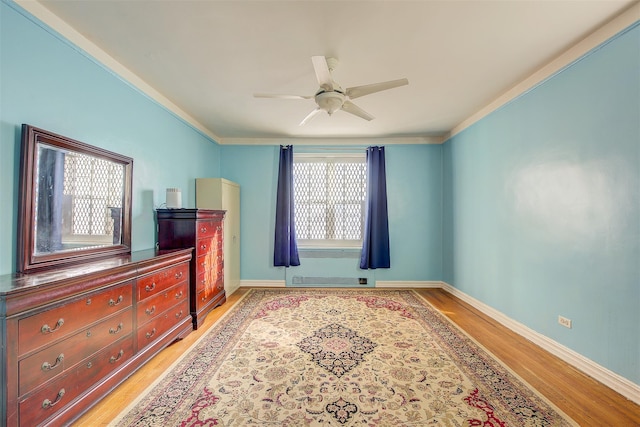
(331, 158)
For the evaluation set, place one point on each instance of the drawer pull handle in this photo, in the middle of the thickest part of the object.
(179, 315)
(46, 366)
(219, 228)
(117, 330)
(179, 295)
(203, 229)
(88, 301)
(150, 310)
(151, 333)
(203, 246)
(179, 275)
(113, 303)
(114, 359)
(48, 404)
(46, 329)
(204, 299)
(150, 287)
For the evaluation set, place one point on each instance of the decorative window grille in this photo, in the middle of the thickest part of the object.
(93, 185)
(329, 196)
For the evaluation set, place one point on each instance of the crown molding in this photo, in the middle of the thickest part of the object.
(87, 48)
(609, 30)
(335, 141)
(606, 32)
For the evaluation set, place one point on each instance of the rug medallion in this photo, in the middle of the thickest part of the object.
(339, 357)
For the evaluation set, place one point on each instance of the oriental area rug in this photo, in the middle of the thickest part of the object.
(338, 357)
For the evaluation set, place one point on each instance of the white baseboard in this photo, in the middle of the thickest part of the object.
(609, 378)
(263, 283)
(413, 285)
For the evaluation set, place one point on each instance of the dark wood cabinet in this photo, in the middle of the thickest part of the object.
(71, 335)
(202, 230)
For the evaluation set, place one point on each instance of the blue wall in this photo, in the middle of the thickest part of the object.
(534, 210)
(48, 83)
(542, 207)
(414, 187)
(255, 168)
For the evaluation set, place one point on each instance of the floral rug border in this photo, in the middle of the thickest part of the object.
(185, 377)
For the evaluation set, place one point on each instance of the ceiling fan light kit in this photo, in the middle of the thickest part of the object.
(330, 97)
(330, 101)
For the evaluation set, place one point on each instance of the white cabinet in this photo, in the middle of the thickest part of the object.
(221, 194)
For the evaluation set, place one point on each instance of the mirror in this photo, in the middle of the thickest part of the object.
(75, 201)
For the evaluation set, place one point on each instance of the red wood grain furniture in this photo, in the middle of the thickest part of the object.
(71, 335)
(201, 229)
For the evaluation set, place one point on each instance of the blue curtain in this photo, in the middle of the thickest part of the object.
(375, 244)
(285, 253)
(50, 197)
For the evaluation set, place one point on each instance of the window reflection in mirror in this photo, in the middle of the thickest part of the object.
(79, 201)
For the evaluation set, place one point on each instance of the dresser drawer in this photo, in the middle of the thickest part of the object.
(159, 281)
(206, 295)
(208, 246)
(61, 391)
(206, 279)
(210, 272)
(59, 357)
(159, 303)
(207, 228)
(219, 268)
(209, 262)
(203, 247)
(56, 323)
(151, 331)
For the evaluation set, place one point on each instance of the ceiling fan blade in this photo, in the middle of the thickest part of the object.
(311, 115)
(352, 108)
(358, 91)
(275, 95)
(325, 81)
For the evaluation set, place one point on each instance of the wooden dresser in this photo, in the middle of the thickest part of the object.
(202, 230)
(222, 194)
(73, 334)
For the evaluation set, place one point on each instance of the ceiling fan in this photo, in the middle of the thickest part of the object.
(330, 97)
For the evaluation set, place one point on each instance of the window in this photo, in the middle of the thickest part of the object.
(93, 188)
(329, 196)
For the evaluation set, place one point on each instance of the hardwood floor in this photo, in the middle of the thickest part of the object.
(585, 400)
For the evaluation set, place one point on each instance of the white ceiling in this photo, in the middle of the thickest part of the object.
(210, 57)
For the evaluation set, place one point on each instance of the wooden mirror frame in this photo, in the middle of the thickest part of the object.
(28, 259)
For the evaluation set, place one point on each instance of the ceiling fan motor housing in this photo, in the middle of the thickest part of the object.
(330, 101)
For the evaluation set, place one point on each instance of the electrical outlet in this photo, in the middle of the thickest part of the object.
(564, 322)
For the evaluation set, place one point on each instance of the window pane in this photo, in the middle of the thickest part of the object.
(92, 186)
(329, 197)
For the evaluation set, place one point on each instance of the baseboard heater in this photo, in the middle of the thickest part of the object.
(330, 267)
